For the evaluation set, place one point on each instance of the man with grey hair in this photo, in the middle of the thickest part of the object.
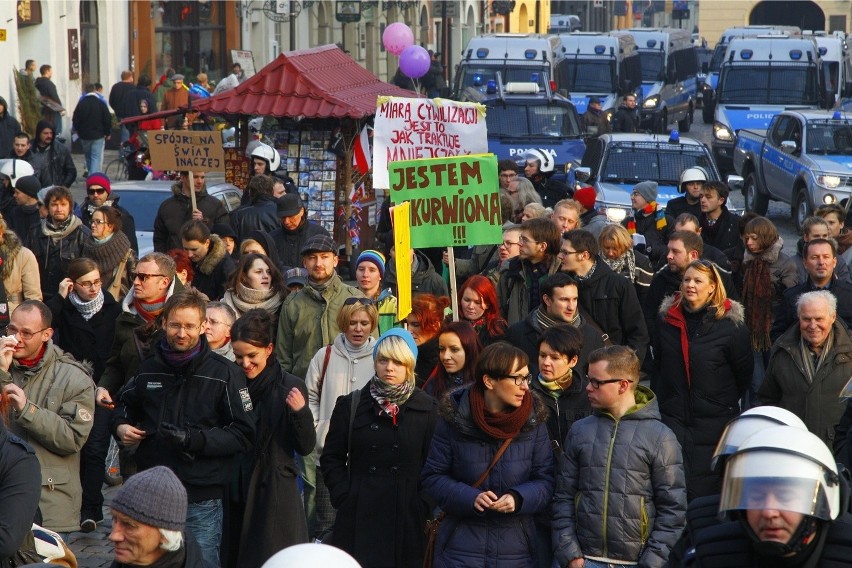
(810, 364)
(217, 328)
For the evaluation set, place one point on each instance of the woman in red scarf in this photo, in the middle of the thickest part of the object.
(704, 365)
(491, 523)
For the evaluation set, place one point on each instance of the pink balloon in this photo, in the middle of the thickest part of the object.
(397, 37)
(415, 61)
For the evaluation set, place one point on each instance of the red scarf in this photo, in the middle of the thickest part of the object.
(648, 210)
(34, 361)
(149, 310)
(502, 425)
(675, 317)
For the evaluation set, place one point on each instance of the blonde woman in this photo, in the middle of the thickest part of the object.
(616, 246)
(19, 271)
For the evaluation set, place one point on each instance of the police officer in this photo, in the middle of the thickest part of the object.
(539, 167)
(783, 491)
(691, 181)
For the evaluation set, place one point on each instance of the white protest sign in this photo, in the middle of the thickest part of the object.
(412, 129)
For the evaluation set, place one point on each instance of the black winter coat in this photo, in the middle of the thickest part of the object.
(381, 511)
(612, 303)
(118, 95)
(274, 516)
(20, 485)
(424, 280)
(53, 164)
(571, 405)
(25, 221)
(91, 118)
(86, 340)
(723, 234)
(132, 104)
(53, 257)
(697, 401)
(290, 243)
(786, 316)
(9, 126)
(188, 557)
(213, 271)
(177, 210)
(655, 239)
(209, 398)
(626, 120)
(678, 205)
(261, 215)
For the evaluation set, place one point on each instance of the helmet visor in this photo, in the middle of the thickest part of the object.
(795, 494)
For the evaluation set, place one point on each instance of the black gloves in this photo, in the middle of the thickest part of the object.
(178, 437)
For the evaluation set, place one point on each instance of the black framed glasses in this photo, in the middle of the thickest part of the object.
(563, 252)
(355, 300)
(519, 379)
(143, 277)
(597, 384)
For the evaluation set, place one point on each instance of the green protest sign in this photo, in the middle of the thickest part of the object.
(454, 201)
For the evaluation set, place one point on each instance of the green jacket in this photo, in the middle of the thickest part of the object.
(308, 322)
(56, 422)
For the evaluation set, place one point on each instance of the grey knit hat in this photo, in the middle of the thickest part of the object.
(155, 497)
(647, 189)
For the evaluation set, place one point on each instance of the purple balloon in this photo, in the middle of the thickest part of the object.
(415, 61)
(397, 37)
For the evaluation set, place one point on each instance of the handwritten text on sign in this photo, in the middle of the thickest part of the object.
(185, 150)
(454, 201)
(411, 129)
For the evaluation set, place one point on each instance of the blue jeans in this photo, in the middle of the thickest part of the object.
(125, 133)
(93, 151)
(596, 564)
(204, 521)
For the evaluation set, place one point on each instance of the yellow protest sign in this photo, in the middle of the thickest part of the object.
(402, 246)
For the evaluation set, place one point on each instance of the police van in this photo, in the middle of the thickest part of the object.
(524, 58)
(836, 65)
(712, 72)
(760, 77)
(521, 117)
(669, 83)
(596, 64)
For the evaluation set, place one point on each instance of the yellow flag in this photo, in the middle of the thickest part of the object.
(402, 250)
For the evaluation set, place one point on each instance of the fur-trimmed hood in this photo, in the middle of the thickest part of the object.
(214, 256)
(735, 313)
(177, 191)
(454, 407)
(9, 251)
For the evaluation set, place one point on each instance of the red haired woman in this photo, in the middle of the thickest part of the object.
(458, 351)
(479, 307)
(424, 323)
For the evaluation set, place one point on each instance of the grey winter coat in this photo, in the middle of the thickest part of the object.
(620, 493)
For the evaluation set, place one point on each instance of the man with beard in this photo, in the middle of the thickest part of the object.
(52, 161)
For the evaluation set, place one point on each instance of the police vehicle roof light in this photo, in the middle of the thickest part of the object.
(795, 54)
(482, 52)
(529, 54)
(651, 43)
(822, 51)
(491, 87)
(599, 50)
(746, 54)
(477, 80)
(836, 115)
(674, 137)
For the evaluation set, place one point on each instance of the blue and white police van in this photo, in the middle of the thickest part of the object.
(602, 65)
(669, 77)
(712, 72)
(520, 117)
(836, 61)
(761, 77)
(524, 58)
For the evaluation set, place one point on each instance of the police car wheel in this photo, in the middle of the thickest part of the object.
(755, 201)
(707, 113)
(803, 209)
(684, 125)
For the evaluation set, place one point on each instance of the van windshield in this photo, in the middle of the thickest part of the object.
(529, 120)
(828, 137)
(587, 76)
(633, 163)
(753, 84)
(718, 57)
(652, 65)
(479, 75)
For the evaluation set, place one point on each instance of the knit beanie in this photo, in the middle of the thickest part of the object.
(28, 185)
(155, 497)
(375, 257)
(403, 334)
(647, 189)
(586, 197)
(100, 179)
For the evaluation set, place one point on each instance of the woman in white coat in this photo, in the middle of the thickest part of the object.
(336, 370)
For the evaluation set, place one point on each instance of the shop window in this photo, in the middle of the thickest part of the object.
(190, 38)
(90, 65)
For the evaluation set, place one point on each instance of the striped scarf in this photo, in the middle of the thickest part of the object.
(389, 396)
(648, 210)
(90, 308)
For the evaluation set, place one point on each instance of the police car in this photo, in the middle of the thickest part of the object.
(614, 163)
(803, 159)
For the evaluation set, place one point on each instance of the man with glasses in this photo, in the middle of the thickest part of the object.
(519, 289)
(59, 240)
(217, 328)
(188, 409)
(52, 403)
(608, 298)
(508, 172)
(634, 494)
(99, 193)
(177, 210)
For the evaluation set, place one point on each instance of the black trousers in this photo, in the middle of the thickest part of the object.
(93, 464)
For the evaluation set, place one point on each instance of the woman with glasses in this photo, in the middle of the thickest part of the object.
(704, 364)
(256, 284)
(424, 322)
(273, 515)
(18, 272)
(458, 350)
(491, 523)
(377, 442)
(616, 246)
(108, 246)
(336, 370)
(84, 325)
(479, 307)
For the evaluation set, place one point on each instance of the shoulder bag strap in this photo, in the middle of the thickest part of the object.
(356, 398)
(321, 381)
(494, 461)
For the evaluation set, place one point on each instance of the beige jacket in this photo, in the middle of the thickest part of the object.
(19, 272)
(56, 422)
